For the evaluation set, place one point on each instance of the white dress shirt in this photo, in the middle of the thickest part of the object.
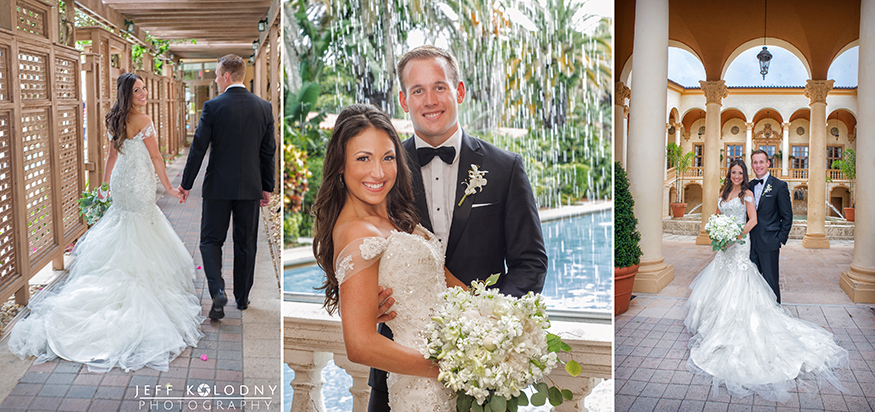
(758, 190)
(234, 85)
(439, 180)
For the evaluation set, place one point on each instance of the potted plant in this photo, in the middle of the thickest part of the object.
(848, 166)
(682, 162)
(627, 254)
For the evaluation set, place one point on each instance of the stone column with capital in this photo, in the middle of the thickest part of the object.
(748, 143)
(714, 91)
(646, 139)
(785, 150)
(815, 237)
(859, 281)
(678, 133)
(621, 93)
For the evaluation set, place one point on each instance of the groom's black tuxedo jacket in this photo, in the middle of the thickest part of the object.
(497, 226)
(774, 216)
(239, 128)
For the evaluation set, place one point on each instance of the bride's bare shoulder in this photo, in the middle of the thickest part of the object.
(345, 231)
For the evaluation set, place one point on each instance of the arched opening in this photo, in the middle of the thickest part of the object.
(845, 67)
(839, 198)
(693, 197)
(684, 68)
(786, 68)
(799, 195)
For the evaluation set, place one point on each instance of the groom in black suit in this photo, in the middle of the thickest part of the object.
(774, 219)
(238, 128)
(494, 225)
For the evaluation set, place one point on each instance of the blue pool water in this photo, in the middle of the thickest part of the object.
(579, 274)
(579, 277)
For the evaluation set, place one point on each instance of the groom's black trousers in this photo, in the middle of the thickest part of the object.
(767, 264)
(214, 231)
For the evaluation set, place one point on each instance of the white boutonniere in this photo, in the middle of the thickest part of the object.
(475, 181)
(767, 189)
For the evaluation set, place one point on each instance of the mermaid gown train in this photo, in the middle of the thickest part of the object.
(128, 300)
(747, 341)
(413, 267)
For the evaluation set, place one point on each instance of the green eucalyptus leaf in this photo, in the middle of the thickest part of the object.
(476, 407)
(523, 399)
(541, 387)
(573, 368)
(565, 347)
(555, 396)
(492, 279)
(539, 399)
(498, 403)
(463, 403)
(567, 394)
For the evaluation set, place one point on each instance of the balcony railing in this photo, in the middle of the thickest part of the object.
(798, 174)
(693, 172)
(311, 338)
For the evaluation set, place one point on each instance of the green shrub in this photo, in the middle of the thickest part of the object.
(626, 235)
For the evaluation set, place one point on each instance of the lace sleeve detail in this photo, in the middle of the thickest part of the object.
(357, 256)
(147, 131)
(748, 199)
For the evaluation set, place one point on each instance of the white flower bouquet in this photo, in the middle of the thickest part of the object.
(491, 346)
(723, 230)
(91, 206)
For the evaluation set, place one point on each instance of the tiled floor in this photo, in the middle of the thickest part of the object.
(651, 340)
(67, 386)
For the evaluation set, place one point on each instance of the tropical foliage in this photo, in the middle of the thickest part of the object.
(526, 65)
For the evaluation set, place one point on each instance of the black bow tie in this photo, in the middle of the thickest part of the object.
(755, 182)
(446, 153)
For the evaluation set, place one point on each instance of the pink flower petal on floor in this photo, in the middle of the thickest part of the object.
(204, 357)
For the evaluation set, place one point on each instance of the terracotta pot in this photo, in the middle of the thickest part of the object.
(624, 279)
(849, 214)
(678, 209)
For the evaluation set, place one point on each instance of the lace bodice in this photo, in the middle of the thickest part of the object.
(413, 267)
(133, 182)
(736, 208)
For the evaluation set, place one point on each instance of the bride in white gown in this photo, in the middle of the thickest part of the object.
(128, 300)
(742, 337)
(367, 235)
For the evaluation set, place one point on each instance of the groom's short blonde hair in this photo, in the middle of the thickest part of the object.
(427, 52)
(234, 64)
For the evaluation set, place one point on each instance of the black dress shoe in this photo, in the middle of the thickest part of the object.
(243, 306)
(218, 310)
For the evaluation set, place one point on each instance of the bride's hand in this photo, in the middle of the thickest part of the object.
(102, 194)
(175, 193)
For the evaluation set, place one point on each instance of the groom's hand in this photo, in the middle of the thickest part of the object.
(386, 302)
(265, 199)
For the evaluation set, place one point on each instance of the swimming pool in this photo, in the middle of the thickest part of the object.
(580, 267)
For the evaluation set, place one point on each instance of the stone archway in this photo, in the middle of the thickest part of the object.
(693, 196)
(839, 198)
(799, 199)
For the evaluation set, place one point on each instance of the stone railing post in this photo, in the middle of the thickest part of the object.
(360, 390)
(308, 379)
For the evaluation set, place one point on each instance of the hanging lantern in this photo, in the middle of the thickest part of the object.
(764, 57)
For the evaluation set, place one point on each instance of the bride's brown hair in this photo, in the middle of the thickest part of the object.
(117, 117)
(727, 184)
(351, 122)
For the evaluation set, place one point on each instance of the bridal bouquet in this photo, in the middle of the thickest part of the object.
(91, 206)
(491, 346)
(723, 230)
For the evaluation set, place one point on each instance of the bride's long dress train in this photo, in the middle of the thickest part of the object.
(128, 300)
(747, 341)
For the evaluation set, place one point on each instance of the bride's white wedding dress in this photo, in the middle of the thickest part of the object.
(128, 300)
(413, 267)
(747, 341)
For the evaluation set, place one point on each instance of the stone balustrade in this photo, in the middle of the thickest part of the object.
(311, 338)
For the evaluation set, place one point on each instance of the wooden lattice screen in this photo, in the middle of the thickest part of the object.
(41, 139)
